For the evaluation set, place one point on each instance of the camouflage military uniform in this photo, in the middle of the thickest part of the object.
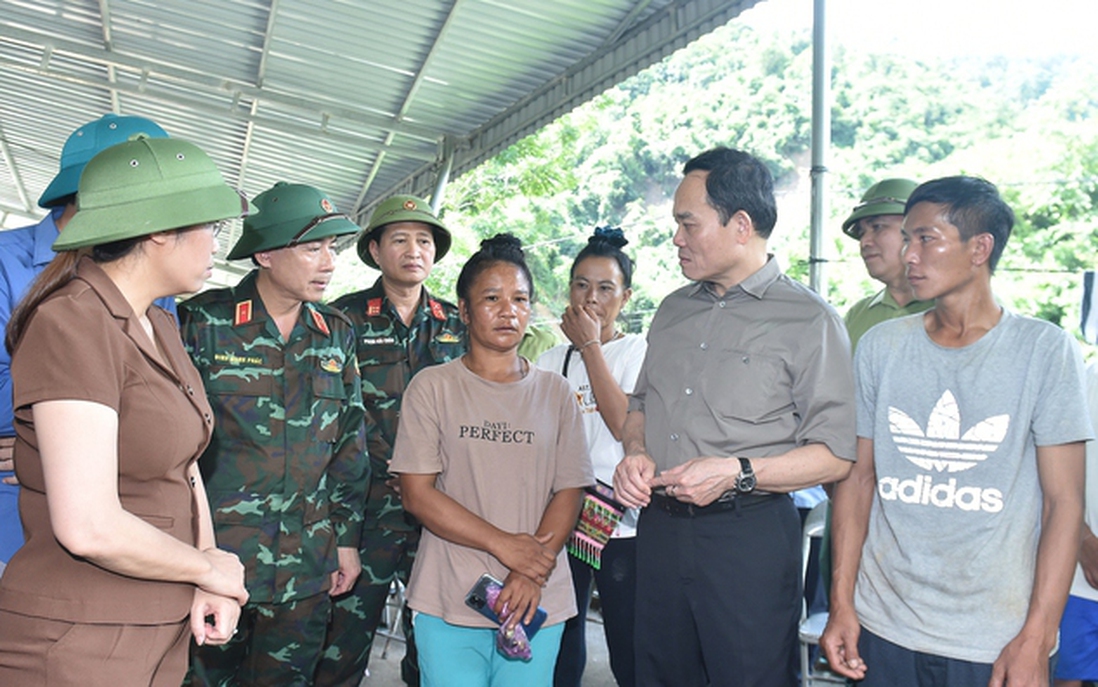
(389, 353)
(285, 472)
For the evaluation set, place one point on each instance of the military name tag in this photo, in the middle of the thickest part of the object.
(237, 359)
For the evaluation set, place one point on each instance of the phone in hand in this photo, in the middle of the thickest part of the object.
(477, 599)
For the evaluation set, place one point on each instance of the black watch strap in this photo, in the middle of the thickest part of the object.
(746, 480)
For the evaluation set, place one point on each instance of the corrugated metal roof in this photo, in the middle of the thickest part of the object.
(361, 99)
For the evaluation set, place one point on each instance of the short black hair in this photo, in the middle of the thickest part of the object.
(607, 242)
(738, 181)
(973, 205)
(499, 248)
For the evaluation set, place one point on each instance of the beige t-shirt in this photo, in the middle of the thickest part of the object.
(501, 451)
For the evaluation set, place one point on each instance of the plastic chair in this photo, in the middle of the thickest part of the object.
(812, 626)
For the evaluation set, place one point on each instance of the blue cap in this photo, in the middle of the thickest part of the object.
(85, 143)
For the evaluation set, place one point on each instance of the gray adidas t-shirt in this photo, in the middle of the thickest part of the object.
(948, 562)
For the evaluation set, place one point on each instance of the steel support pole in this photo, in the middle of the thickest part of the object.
(821, 143)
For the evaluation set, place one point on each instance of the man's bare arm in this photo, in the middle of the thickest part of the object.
(850, 507)
(634, 473)
(701, 481)
(1024, 661)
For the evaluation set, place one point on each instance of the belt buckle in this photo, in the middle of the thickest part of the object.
(674, 507)
(727, 496)
(671, 505)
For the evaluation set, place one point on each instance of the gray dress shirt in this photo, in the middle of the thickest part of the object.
(761, 370)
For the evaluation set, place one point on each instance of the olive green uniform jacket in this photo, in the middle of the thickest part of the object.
(389, 354)
(875, 309)
(286, 471)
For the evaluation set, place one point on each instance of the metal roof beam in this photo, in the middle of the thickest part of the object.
(17, 179)
(672, 28)
(276, 126)
(261, 75)
(640, 46)
(408, 98)
(626, 23)
(21, 212)
(221, 85)
(417, 183)
(261, 72)
(112, 76)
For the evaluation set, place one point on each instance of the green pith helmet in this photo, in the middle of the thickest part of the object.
(87, 142)
(402, 209)
(290, 214)
(886, 197)
(148, 185)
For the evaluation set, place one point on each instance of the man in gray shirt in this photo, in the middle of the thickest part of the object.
(955, 536)
(745, 395)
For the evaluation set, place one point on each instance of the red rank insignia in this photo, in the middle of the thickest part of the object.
(318, 320)
(373, 307)
(243, 313)
(436, 310)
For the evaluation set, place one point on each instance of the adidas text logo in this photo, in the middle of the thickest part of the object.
(921, 490)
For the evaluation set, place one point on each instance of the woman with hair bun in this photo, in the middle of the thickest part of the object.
(492, 460)
(601, 364)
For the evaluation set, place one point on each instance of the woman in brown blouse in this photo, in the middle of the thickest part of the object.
(110, 418)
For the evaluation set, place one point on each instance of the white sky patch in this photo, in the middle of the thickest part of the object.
(945, 28)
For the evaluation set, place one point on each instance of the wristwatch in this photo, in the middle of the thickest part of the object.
(746, 480)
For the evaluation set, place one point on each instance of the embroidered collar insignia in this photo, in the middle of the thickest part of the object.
(319, 321)
(243, 313)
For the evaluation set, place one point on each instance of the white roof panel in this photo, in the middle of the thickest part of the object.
(362, 99)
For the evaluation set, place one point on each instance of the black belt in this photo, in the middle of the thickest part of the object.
(681, 509)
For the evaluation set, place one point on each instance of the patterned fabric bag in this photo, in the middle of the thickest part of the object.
(598, 520)
(600, 514)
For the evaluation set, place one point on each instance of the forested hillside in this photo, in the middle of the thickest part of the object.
(1030, 126)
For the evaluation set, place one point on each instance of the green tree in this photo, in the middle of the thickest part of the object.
(1029, 125)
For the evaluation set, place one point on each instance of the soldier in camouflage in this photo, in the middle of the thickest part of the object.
(286, 470)
(400, 330)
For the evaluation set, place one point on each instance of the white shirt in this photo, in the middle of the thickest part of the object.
(624, 357)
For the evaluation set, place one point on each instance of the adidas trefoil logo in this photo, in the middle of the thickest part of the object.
(942, 448)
